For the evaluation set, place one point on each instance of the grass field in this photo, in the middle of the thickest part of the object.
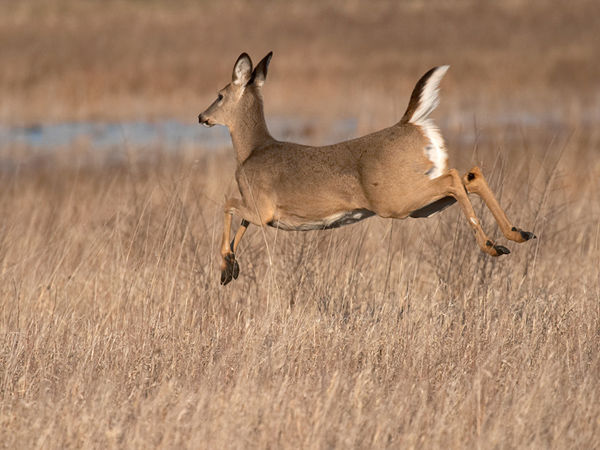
(114, 330)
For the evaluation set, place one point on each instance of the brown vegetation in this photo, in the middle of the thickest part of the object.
(114, 331)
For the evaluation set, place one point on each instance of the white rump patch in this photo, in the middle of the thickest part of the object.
(428, 101)
(436, 150)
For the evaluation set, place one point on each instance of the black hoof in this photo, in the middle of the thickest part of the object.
(236, 270)
(225, 277)
(527, 235)
(501, 250)
(231, 271)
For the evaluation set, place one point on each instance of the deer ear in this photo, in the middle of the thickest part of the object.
(242, 71)
(260, 73)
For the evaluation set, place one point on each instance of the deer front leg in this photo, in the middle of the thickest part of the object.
(230, 268)
(475, 183)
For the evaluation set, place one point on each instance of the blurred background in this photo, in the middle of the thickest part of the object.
(340, 68)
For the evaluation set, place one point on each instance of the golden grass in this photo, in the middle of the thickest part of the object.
(115, 333)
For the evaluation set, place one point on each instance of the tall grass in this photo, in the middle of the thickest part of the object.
(115, 333)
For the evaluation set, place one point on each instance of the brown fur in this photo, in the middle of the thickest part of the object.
(298, 187)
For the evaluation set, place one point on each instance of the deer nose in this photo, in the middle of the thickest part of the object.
(204, 121)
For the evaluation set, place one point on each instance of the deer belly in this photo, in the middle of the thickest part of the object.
(334, 221)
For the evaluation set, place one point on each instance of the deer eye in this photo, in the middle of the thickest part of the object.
(220, 97)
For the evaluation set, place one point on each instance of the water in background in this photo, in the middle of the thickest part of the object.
(168, 134)
(172, 134)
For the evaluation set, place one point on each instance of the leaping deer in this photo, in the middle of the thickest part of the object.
(393, 173)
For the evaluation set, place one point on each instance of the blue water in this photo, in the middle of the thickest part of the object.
(169, 134)
(172, 134)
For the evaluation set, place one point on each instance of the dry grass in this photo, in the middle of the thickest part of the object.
(114, 331)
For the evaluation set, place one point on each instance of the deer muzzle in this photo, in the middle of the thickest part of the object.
(204, 121)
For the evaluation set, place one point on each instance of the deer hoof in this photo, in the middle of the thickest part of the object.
(225, 277)
(230, 271)
(523, 235)
(236, 270)
(501, 250)
(527, 235)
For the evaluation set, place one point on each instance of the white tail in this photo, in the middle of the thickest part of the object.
(396, 172)
(425, 97)
(424, 100)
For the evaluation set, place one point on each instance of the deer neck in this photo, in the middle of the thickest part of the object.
(250, 132)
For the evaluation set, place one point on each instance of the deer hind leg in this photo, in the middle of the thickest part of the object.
(450, 185)
(475, 183)
(230, 268)
(455, 188)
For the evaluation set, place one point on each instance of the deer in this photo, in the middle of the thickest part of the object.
(398, 172)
